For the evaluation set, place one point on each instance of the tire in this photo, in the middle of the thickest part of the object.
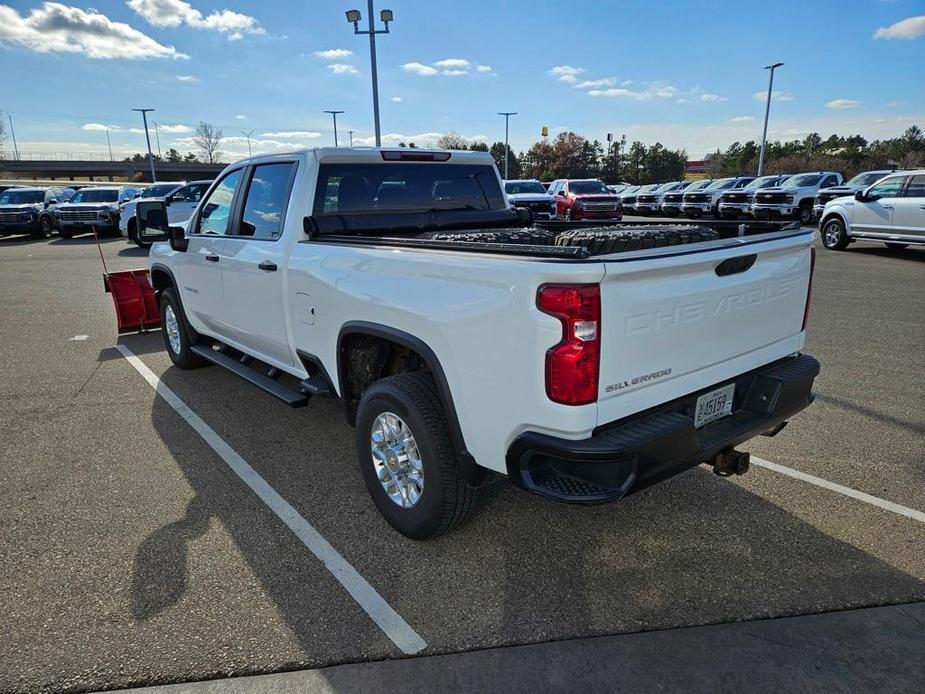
(834, 236)
(46, 228)
(174, 319)
(133, 236)
(568, 214)
(445, 500)
(896, 246)
(805, 215)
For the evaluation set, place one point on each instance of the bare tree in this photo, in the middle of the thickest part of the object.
(452, 140)
(208, 139)
(2, 135)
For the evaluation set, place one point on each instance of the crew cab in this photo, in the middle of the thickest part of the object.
(585, 199)
(650, 202)
(95, 207)
(696, 203)
(859, 182)
(531, 195)
(29, 210)
(892, 210)
(794, 198)
(671, 202)
(738, 202)
(463, 343)
(181, 199)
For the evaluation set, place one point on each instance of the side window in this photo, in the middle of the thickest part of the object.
(829, 182)
(887, 189)
(216, 211)
(267, 195)
(191, 193)
(916, 187)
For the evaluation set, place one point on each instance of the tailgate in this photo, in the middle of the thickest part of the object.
(678, 322)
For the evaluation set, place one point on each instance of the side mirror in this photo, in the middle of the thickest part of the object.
(860, 196)
(151, 218)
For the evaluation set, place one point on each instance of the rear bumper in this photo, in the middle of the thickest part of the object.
(627, 455)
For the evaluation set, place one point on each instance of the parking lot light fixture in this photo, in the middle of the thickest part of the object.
(334, 115)
(354, 16)
(144, 115)
(248, 135)
(507, 118)
(767, 111)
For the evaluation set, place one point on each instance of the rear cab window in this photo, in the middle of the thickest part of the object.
(404, 187)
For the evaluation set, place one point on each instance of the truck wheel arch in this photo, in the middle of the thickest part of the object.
(161, 278)
(388, 334)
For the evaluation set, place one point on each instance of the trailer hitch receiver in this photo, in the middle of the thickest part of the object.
(731, 462)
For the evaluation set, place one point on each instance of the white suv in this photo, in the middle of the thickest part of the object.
(892, 210)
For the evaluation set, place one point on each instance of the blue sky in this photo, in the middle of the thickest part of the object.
(686, 74)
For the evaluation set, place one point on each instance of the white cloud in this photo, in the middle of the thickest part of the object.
(138, 131)
(240, 116)
(483, 68)
(712, 97)
(177, 129)
(452, 63)
(775, 96)
(425, 139)
(909, 28)
(342, 69)
(843, 104)
(395, 99)
(98, 126)
(57, 28)
(596, 84)
(652, 91)
(419, 69)
(294, 134)
(187, 78)
(172, 13)
(893, 104)
(333, 54)
(566, 73)
(454, 73)
(742, 119)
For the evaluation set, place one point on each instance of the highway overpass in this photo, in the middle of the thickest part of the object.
(138, 171)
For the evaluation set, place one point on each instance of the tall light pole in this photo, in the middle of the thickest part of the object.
(13, 135)
(144, 115)
(248, 136)
(507, 117)
(109, 144)
(350, 133)
(157, 138)
(334, 115)
(354, 17)
(767, 111)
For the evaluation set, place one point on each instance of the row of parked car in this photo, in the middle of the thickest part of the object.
(110, 210)
(799, 197)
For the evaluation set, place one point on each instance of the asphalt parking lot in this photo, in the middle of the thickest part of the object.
(135, 555)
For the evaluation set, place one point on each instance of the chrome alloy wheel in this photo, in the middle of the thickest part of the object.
(396, 460)
(832, 232)
(172, 328)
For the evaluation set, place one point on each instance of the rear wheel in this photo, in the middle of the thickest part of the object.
(805, 215)
(179, 337)
(896, 246)
(834, 236)
(405, 456)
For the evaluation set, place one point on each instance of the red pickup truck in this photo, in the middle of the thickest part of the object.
(585, 198)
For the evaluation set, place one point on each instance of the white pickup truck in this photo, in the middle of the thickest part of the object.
(794, 198)
(462, 344)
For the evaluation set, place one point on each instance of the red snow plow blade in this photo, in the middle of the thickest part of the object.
(133, 297)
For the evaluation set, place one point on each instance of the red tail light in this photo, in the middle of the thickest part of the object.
(809, 289)
(572, 366)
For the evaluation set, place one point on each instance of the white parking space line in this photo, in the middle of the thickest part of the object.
(847, 491)
(391, 623)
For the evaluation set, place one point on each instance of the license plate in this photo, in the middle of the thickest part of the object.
(713, 405)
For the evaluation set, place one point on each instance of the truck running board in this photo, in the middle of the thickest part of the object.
(266, 383)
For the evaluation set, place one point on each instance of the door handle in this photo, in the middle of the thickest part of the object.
(267, 266)
(212, 258)
(887, 207)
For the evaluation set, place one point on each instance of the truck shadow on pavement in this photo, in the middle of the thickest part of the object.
(914, 253)
(694, 550)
